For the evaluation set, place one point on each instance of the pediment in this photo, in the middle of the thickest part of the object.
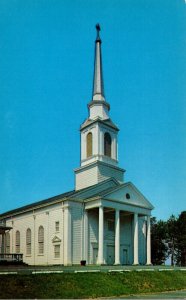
(56, 239)
(128, 194)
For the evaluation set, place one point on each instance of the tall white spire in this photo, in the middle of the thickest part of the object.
(98, 107)
(98, 85)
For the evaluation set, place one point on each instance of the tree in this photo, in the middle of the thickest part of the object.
(172, 238)
(181, 239)
(158, 241)
(168, 238)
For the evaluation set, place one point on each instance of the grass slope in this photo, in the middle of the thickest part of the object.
(89, 285)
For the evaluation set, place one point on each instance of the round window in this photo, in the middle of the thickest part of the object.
(127, 195)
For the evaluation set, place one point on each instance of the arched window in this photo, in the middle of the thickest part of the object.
(7, 242)
(17, 241)
(41, 240)
(28, 241)
(107, 144)
(89, 144)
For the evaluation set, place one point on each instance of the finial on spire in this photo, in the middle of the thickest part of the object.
(98, 28)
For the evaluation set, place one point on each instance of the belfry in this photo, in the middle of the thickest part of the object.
(103, 220)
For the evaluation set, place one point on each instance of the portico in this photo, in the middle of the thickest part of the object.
(119, 209)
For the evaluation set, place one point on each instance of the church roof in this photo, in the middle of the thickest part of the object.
(37, 204)
(108, 189)
(79, 194)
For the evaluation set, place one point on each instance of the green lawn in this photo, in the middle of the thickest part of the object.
(89, 285)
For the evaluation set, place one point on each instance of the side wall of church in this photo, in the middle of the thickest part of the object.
(53, 236)
(22, 223)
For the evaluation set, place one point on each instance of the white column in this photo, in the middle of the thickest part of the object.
(95, 142)
(114, 148)
(101, 142)
(67, 237)
(101, 235)
(117, 237)
(136, 262)
(86, 236)
(148, 242)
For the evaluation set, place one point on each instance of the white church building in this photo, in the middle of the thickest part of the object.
(104, 220)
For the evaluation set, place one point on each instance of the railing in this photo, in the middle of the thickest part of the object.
(2, 223)
(11, 257)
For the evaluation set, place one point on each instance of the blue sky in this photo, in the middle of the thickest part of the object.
(46, 74)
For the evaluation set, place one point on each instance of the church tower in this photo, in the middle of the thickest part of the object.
(99, 145)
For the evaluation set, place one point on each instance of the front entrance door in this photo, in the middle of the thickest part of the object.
(110, 255)
(95, 255)
(125, 257)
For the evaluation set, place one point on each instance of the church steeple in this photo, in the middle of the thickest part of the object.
(99, 154)
(98, 107)
(98, 85)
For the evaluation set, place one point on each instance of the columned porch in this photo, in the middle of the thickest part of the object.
(117, 214)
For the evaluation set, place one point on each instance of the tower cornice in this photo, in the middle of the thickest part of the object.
(102, 102)
(107, 122)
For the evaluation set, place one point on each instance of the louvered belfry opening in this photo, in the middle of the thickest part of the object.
(89, 144)
(107, 144)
